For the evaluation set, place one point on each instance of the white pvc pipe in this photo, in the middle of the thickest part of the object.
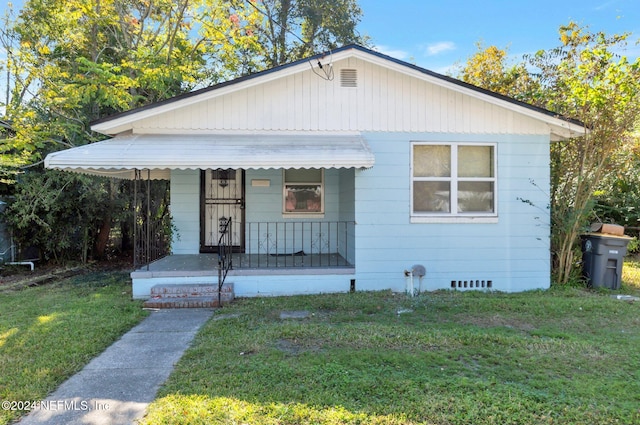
(22, 263)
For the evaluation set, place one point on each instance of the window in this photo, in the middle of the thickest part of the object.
(304, 191)
(453, 180)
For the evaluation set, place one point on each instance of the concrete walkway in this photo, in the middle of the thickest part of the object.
(117, 386)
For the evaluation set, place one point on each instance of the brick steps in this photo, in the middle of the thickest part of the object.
(186, 302)
(188, 296)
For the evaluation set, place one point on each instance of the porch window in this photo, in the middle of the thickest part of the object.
(453, 180)
(303, 191)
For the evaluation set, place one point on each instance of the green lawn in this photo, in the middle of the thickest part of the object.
(48, 333)
(564, 356)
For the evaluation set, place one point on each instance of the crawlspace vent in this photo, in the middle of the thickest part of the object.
(348, 78)
(471, 284)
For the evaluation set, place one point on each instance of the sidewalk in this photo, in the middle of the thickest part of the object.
(117, 386)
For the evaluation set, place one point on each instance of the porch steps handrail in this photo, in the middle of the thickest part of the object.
(225, 249)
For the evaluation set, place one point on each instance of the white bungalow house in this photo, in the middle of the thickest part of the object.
(345, 171)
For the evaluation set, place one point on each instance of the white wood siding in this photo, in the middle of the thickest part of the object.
(185, 211)
(265, 203)
(513, 253)
(384, 101)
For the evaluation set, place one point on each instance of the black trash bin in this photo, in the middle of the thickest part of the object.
(602, 259)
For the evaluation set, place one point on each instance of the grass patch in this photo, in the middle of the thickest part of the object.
(565, 356)
(48, 333)
(631, 275)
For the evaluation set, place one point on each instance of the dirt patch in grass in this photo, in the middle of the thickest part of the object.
(18, 277)
(295, 347)
(42, 276)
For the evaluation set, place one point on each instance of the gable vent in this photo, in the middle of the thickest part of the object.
(348, 78)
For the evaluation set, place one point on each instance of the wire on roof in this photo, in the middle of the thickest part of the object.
(324, 71)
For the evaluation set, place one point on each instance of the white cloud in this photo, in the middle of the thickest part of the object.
(434, 49)
(606, 5)
(394, 53)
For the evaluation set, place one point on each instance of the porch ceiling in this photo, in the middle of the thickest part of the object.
(159, 153)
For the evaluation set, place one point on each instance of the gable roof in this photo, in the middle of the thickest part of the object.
(561, 126)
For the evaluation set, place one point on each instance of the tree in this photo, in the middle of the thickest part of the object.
(488, 69)
(59, 214)
(75, 61)
(617, 199)
(582, 79)
(78, 61)
(295, 29)
(585, 79)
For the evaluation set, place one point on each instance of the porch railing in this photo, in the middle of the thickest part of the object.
(151, 220)
(150, 242)
(298, 244)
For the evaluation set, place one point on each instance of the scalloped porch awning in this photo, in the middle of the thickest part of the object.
(121, 156)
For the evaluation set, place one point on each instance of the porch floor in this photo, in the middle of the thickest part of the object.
(247, 264)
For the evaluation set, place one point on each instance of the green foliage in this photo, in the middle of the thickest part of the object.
(59, 213)
(587, 80)
(583, 79)
(74, 61)
(229, 38)
(631, 272)
(488, 69)
(617, 198)
(634, 246)
(295, 29)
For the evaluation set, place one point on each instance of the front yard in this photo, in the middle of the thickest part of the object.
(565, 356)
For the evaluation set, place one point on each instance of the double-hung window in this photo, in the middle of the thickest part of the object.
(453, 180)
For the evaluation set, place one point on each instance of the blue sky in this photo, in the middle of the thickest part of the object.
(437, 34)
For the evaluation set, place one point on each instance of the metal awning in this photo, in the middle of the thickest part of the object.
(160, 153)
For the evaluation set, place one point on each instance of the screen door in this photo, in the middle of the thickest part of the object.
(222, 198)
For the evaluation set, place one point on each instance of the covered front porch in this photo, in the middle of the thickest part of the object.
(268, 214)
(277, 258)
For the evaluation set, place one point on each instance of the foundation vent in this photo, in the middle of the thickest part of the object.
(348, 78)
(471, 284)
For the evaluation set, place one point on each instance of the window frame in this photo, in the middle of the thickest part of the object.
(299, 213)
(454, 216)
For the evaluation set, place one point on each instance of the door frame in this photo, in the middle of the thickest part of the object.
(241, 232)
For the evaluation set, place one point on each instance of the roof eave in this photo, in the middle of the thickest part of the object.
(561, 126)
(121, 122)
